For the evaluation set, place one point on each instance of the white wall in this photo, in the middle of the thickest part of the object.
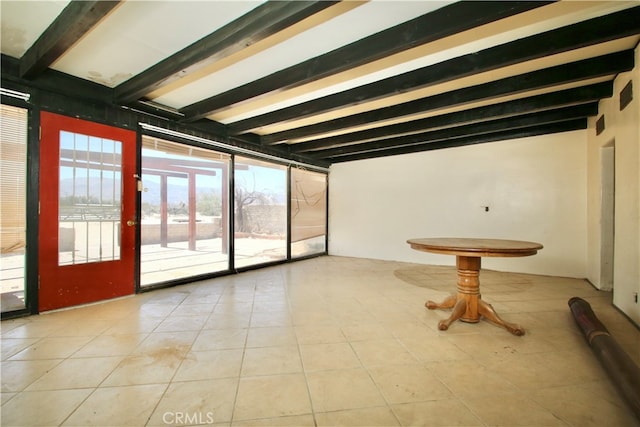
(622, 131)
(535, 189)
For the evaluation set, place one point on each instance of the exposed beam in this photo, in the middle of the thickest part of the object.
(586, 33)
(440, 23)
(536, 130)
(491, 126)
(600, 66)
(65, 94)
(262, 22)
(77, 18)
(568, 97)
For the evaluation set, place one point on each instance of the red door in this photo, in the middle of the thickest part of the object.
(87, 211)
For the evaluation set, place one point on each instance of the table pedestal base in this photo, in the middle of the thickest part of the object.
(467, 304)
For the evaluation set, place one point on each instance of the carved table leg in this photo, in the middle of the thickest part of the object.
(466, 303)
(448, 302)
(486, 310)
(458, 311)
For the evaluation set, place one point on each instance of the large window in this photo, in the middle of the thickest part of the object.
(188, 197)
(308, 212)
(260, 227)
(13, 166)
(185, 205)
(185, 211)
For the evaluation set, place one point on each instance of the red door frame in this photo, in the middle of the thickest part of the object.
(69, 285)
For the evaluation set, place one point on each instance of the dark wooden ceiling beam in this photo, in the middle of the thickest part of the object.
(62, 93)
(590, 32)
(577, 95)
(600, 66)
(440, 23)
(563, 98)
(260, 23)
(491, 126)
(535, 130)
(76, 19)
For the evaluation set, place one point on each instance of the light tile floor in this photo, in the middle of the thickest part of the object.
(323, 342)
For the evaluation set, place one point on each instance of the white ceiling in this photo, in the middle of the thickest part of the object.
(136, 35)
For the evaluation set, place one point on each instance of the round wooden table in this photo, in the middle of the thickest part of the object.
(467, 303)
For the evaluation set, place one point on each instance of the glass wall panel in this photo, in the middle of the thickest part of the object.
(13, 167)
(308, 212)
(260, 212)
(184, 215)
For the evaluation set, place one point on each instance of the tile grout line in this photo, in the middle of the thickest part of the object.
(304, 371)
(244, 349)
(155, 407)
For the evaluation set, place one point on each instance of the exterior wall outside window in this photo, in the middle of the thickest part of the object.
(260, 212)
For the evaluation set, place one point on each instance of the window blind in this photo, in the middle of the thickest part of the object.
(13, 162)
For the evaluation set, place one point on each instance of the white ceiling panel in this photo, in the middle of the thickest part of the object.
(362, 21)
(142, 33)
(24, 21)
(274, 79)
(496, 33)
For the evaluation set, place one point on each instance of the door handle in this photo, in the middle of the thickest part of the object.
(131, 223)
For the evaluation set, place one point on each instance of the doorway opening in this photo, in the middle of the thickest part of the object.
(607, 215)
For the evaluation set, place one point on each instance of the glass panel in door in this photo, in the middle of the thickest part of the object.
(89, 203)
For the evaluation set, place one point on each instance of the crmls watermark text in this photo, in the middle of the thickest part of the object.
(187, 418)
